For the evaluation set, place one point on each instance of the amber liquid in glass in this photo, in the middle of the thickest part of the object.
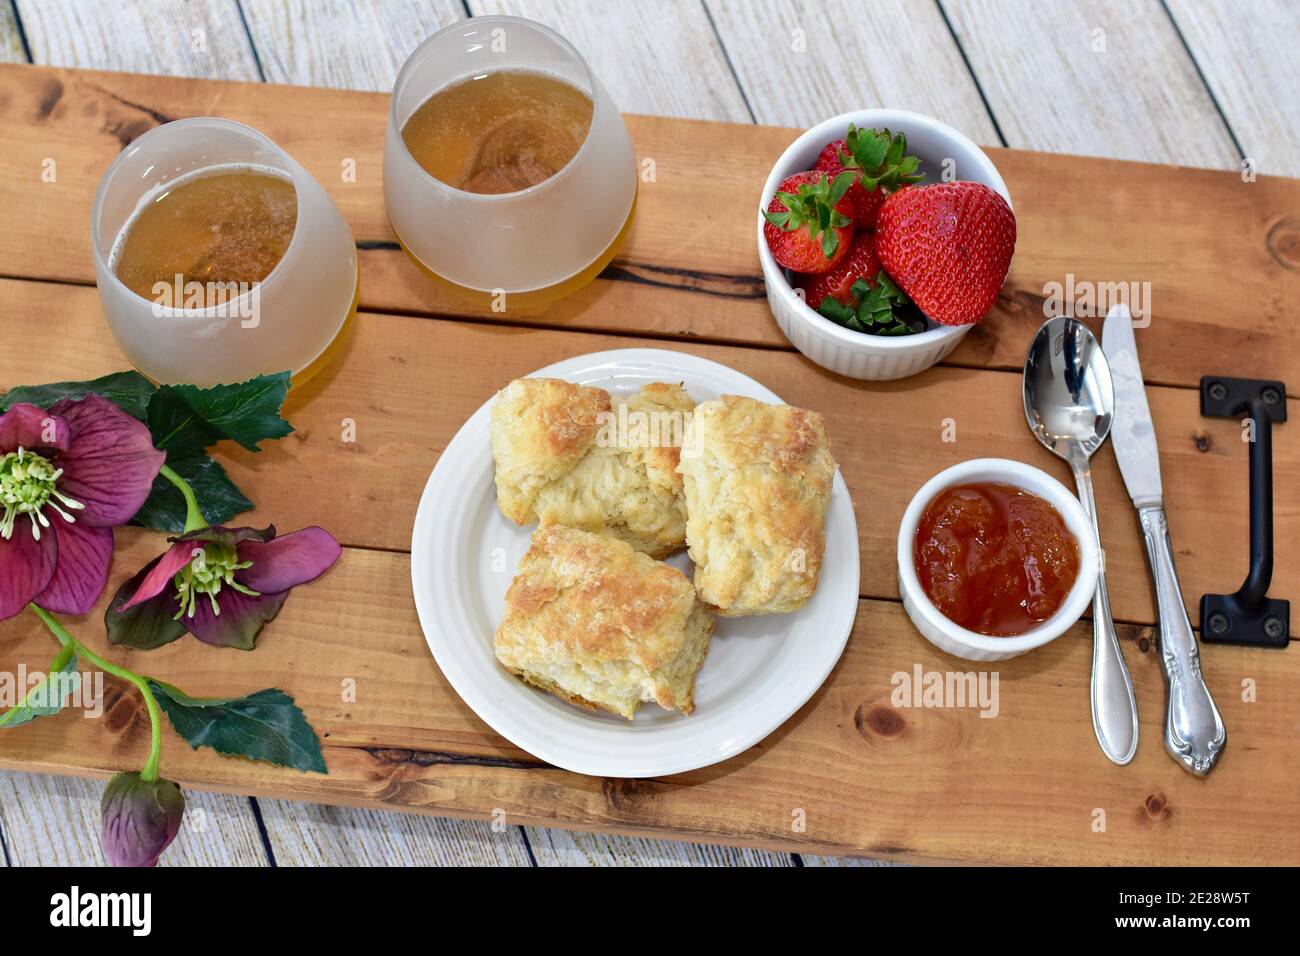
(219, 227)
(224, 228)
(499, 132)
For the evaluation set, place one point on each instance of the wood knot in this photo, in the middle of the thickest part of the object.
(50, 96)
(127, 131)
(1146, 636)
(1156, 807)
(120, 707)
(878, 720)
(623, 793)
(1284, 243)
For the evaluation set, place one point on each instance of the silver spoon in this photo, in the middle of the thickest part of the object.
(1069, 404)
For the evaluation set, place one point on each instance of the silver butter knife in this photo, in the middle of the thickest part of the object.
(1194, 733)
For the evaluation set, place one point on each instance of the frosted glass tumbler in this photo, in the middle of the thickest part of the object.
(290, 321)
(536, 244)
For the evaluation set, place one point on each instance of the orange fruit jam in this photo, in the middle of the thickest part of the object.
(994, 558)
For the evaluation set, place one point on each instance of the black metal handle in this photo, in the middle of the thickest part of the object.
(1249, 616)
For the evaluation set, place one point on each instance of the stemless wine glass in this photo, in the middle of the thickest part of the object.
(534, 245)
(293, 320)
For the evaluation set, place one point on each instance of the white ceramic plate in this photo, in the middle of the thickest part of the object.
(758, 672)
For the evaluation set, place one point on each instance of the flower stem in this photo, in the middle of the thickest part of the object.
(150, 771)
(194, 520)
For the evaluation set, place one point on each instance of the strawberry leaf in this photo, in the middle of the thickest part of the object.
(882, 158)
(867, 148)
(880, 308)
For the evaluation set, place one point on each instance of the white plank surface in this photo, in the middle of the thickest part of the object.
(803, 61)
(203, 38)
(1137, 96)
(54, 821)
(306, 834)
(343, 44)
(1250, 56)
(568, 848)
(11, 41)
(661, 57)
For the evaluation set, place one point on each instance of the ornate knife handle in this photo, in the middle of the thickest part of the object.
(1194, 733)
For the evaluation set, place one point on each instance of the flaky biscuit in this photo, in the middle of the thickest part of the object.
(569, 454)
(599, 624)
(757, 481)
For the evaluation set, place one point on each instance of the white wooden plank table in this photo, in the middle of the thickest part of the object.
(1195, 82)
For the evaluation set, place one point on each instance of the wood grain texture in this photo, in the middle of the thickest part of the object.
(345, 44)
(408, 384)
(660, 57)
(1100, 221)
(1139, 98)
(305, 834)
(175, 37)
(553, 847)
(802, 62)
(869, 776)
(55, 821)
(1247, 54)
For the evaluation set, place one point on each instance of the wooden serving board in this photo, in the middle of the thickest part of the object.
(851, 772)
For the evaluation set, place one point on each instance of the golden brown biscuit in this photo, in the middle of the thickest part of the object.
(757, 480)
(568, 454)
(598, 624)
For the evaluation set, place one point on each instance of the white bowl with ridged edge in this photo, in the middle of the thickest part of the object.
(945, 154)
(951, 637)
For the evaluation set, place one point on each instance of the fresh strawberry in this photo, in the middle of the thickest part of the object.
(881, 164)
(948, 246)
(808, 228)
(860, 263)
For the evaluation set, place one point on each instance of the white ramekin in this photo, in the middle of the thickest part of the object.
(957, 640)
(944, 153)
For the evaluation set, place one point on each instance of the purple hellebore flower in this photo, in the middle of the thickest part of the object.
(68, 476)
(140, 819)
(220, 584)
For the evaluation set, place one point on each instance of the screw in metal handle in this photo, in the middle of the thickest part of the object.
(1194, 732)
(1114, 704)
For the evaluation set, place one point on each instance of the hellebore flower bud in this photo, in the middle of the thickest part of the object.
(140, 819)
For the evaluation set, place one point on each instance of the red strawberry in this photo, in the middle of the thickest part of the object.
(860, 263)
(880, 160)
(948, 246)
(808, 228)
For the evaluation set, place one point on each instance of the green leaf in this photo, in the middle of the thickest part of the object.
(840, 185)
(880, 308)
(129, 391)
(36, 702)
(867, 147)
(219, 498)
(835, 310)
(185, 418)
(185, 421)
(882, 158)
(265, 726)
